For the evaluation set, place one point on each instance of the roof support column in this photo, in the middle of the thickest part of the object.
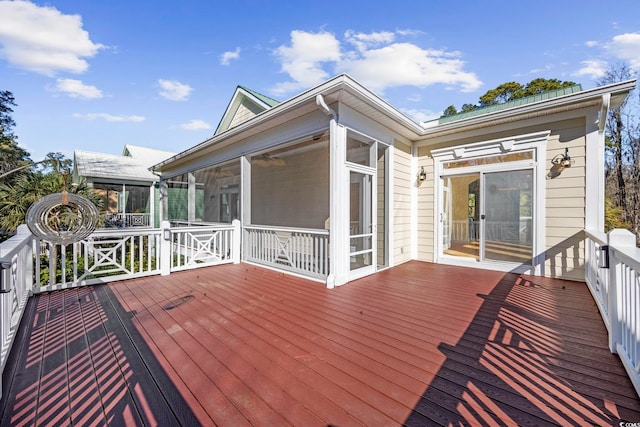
(191, 191)
(594, 168)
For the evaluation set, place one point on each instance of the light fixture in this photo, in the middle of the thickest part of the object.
(560, 162)
(566, 159)
(422, 175)
(4, 284)
(166, 234)
(603, 258)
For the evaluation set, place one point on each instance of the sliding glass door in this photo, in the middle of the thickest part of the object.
(488, 216)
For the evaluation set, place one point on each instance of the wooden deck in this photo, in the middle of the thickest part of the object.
(418, 344)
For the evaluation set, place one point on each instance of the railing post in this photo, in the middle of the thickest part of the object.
(617, 238)
(236, 239)
(165, 248)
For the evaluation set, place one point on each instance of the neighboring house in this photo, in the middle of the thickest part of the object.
(245, 104)
(129, 189)
(336, 183)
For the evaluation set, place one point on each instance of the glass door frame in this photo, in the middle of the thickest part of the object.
(369, 201)
(481, 172)
(535, 142)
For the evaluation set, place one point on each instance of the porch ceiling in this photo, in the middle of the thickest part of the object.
(418, 344)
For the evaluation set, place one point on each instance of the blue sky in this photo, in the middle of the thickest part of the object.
(95, 75)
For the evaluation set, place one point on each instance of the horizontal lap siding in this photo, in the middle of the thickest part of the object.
(401, 206)
(426, 209)
(565, 203)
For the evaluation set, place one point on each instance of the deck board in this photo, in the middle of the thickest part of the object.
(418, 344)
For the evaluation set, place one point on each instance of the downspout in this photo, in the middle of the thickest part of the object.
(320, 102)
(335, 229)
(604, 111)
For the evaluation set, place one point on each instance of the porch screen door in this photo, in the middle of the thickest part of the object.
(362, 255)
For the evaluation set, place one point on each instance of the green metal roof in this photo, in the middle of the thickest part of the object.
(514, 103)
(264, 98)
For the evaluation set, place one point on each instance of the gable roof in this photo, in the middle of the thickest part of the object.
(133, 165)
(244, 105)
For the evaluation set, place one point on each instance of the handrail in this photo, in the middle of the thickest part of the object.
(612, 273)
(320, 231)
(16, 281)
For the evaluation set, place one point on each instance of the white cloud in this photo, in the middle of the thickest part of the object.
(77, 89)
(302, 60)
(626, 47)
(401, 64)
(110, 117)
(591, 43)
(364, 41)
(196, 124)
(376, 59)
(174, 90)
(43, 40)
(420, 115)
(227, 57)
(592, 68)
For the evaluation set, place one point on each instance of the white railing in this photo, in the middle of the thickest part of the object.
(122, 220)
(298, 250)
(613, 277)
(202, 246)
(16, 283)
(501, 231)
(105, 256)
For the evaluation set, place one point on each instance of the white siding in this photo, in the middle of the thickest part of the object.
(401, 208)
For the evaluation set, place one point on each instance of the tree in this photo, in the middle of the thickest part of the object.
(510, 91)
(503, 93)
(449, 111)
(11, 155)
(622, 169)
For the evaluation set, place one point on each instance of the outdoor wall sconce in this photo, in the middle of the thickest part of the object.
(559, 163)
(603, 259)
(422, 175)
(166, 234)
(4, 287)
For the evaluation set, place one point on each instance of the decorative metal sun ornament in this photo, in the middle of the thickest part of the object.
(62, 218)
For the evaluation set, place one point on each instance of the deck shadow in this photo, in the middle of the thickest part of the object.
(529, 357)
(78, 359)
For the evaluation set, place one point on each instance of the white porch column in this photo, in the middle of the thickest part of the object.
(152, 205)
(165, 249)
(338, 207)
(191, 197)
(245, 190)
(594, 174)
